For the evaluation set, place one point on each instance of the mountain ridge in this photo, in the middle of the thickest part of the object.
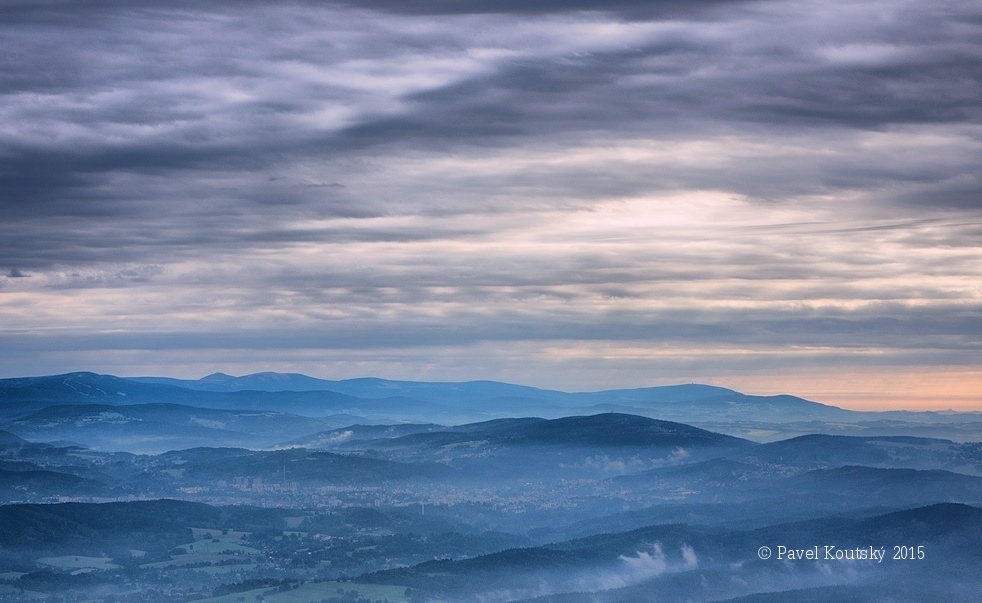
(375, 400)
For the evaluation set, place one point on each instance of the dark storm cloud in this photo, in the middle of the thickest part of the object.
(683, 83)
(941, 331)
(450, 7)
(96, 243)
(639, 8)
(664, 88)
(380, 174)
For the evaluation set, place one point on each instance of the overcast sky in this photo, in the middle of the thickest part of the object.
(771, 196)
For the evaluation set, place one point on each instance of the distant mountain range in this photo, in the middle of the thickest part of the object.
(191, 407)
(477, 491)
(659, 460)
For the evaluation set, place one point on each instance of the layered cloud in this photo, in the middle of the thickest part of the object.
(661, 191)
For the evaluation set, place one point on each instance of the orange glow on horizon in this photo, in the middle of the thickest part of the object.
(917, 389)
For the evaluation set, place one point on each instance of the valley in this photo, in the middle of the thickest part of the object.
(145, 499)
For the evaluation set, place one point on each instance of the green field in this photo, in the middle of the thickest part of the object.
(210, 546)
(72, 562)
(22, 595)
(201, 533)
(218, 545)
(193, 559)
(217, 570)
(316, 591)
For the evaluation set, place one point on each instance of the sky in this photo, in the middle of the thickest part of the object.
(773, 196)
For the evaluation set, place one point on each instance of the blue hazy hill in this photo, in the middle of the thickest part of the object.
(373, 400)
